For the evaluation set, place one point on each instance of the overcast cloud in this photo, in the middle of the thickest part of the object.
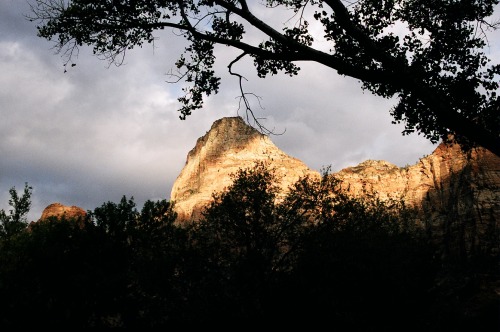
(94, 134)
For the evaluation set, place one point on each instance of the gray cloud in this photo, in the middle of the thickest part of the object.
(96, 133)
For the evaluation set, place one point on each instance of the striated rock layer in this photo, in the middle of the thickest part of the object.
(228, 146)
(456, 194)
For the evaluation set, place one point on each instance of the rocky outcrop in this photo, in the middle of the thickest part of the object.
(456, 194)
(228, 146)
(61, 211)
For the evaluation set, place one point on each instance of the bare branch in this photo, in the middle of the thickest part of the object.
(243, 101)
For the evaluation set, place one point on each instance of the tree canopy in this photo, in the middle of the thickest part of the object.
(430, 55)
(16, 220)
(313, 257)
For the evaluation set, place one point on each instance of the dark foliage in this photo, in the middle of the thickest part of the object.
(109, 270)
(317, 257)
(15, 221)
(258, 259)
(430, 55)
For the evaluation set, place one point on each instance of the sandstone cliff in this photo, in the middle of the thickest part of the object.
(229, 145)
(456, 194)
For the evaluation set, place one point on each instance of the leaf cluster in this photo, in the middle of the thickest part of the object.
(429, 55)
(16, 220)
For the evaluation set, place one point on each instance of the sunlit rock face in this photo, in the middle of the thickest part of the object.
(228, 146)
(60, 211)
(456, 194)
(434, 173)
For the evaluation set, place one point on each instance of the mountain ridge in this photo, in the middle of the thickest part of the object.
(456, 193)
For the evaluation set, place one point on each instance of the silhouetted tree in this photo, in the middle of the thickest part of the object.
(428, 54)
(60, 274)
(315, 256)
(16, 220)
(241, 240)
(366, 267)
(152, 247)
(117, 268)
(259, 258)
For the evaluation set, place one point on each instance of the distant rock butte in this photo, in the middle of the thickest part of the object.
(59, 211)
(452, 190)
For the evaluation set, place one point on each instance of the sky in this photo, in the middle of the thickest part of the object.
(97, 133)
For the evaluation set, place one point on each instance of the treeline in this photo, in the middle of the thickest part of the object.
(257, 260)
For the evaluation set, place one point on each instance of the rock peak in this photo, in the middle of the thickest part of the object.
(228, 146)
(234, 121)
(233, 131)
